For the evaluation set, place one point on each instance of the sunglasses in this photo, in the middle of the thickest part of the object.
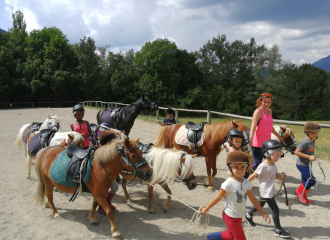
(266, 95)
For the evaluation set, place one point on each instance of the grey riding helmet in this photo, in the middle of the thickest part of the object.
(271, 146)
(78, 108)
(234, 133)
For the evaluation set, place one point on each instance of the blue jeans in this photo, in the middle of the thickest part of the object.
(305, 176)
(257, 157)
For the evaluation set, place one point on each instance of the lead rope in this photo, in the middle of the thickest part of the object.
(196, 220)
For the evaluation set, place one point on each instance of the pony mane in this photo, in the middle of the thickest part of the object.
(287, 133)
(217, 132)
(166, 164)
(108, 152)
(78, 138)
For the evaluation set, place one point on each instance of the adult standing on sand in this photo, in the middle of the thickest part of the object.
(261, 127)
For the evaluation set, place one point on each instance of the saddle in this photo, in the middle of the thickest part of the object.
(35, 126)
(41, 140)
(195, 133)
(77, 167)
(115, 116)
(94, 137)
(145, 148)
(107, 136)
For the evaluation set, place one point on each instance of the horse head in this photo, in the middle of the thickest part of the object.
(288, 136)
(148, 105)
(246, 133)
(53, 123)
(185, 171)
(135, 162)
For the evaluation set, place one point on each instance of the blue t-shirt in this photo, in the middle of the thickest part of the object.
(168, 121)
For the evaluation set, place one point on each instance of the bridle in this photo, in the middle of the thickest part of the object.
(56, 125)
(289, 146)
(184, 180)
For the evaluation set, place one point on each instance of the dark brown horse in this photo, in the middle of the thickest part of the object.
(215, 136)
(108, 162)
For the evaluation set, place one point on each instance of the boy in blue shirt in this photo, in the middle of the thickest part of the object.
(169, 120)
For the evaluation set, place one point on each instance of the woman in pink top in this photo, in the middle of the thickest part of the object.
(261, 127)
(80, 125)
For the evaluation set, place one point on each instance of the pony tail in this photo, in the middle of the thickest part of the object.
(159, 140)
(41, 191)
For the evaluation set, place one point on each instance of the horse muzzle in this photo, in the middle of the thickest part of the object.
(190, 183)
(144, 175)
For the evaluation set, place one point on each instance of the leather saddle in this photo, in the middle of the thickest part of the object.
(77, 167)
(35, 126)
(115, 116)
(94, 137)
(44, 138)
(195, 133)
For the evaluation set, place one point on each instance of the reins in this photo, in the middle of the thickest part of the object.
(278, 192)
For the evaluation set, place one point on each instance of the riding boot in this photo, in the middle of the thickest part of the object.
(299, 192)
(214, 236)
(305, 197)
(109, 199)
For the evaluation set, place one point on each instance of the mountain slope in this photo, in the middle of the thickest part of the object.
(323, 63)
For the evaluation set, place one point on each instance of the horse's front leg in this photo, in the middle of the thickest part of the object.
(167, 204)
(49, 186)
(150, 208)
(208, 171)
(92, 218)
(103, 202)
(127, 197)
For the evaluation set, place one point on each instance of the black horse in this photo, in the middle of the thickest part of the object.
(123, 118)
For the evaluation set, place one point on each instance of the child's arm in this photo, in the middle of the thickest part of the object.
(72, 127)
(89, 134)
(257, 205)
(252, 177)
(160, 123)
(303, 155)
(277, 135)
(220, 195)
(280, 175)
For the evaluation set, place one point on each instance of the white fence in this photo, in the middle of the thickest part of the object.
(177, 110)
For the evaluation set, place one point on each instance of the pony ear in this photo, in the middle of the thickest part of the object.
(183, 159)
(71, 136)
(137, 140)
(283, 129)
(48, 116)
(127, 143)
(241, 121)
(234, 123)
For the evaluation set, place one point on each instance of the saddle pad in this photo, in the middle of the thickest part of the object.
(106, 116)
(181, 138)
(33, 146)
(26, 133)
(58, 170)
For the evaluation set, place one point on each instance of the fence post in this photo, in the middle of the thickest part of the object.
(108, 105)
(111, 104)
(157, 114)
(176, 115)
(208, 117)
(116, 105)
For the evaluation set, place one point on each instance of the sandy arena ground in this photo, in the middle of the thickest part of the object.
(21, 218)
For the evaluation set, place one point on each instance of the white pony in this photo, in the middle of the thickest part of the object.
(168, 165)
(59, 138)
(22, 136)
(287, 134)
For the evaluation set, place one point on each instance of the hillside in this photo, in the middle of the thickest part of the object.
(2, 31)
(323, 63)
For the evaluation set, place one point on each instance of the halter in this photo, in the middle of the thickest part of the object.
(286, 146)
(184, 180)
(56, 125)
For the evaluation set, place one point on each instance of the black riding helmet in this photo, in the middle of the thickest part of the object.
(234, 133)
(169, 111)
(78, 108)
(271, 145)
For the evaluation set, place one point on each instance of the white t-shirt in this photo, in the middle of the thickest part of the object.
(267, 176)
(236, 196)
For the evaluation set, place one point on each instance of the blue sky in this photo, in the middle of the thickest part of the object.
(301, 28)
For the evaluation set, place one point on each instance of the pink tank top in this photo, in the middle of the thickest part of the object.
(264, 129)
(82, 129)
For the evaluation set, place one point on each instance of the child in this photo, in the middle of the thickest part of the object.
(305, 153)
(234, 191)
(80, 125)
(267, 173)
(169, 120)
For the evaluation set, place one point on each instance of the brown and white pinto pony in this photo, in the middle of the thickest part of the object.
(101, 178)
(167, 165)
(215, 136)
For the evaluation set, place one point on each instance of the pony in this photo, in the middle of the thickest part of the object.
(287, 134)
(167, 164)
(59, 138)
(215, 136)
(108, 162)
(24, 132)
(127, 117)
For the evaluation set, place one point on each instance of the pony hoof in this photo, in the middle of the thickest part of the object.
(151, 210)
(211, 189)
(28, 176)
(116, 234)
(47, 205)
(55, 189)
(129, 200)
(165, 207)
(56, 216)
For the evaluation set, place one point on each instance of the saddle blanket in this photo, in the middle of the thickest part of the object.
(58, 170)
(35, 143)
(181, 138)
(109, 118)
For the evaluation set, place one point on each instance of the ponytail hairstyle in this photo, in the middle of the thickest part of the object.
(262, 96)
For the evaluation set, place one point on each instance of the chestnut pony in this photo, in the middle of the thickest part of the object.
(108, 162)
(215, 136)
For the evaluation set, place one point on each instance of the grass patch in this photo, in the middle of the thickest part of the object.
(322, 145)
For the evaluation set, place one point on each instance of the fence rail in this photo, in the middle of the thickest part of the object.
(208, 113)
(37, 105)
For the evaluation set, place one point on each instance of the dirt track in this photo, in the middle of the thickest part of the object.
(21, 218)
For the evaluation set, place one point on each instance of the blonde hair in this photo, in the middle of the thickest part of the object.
(262, 96)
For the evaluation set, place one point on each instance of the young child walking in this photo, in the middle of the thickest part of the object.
(267, 173)
(234, 191)
(169, 120)
(305, 155)
(80, 125)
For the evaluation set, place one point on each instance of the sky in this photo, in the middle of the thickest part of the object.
(299, 27)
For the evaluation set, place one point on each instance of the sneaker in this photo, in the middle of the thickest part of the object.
(281, 233)
(250, 221)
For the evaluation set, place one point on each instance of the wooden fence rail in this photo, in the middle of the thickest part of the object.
(177, 110)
